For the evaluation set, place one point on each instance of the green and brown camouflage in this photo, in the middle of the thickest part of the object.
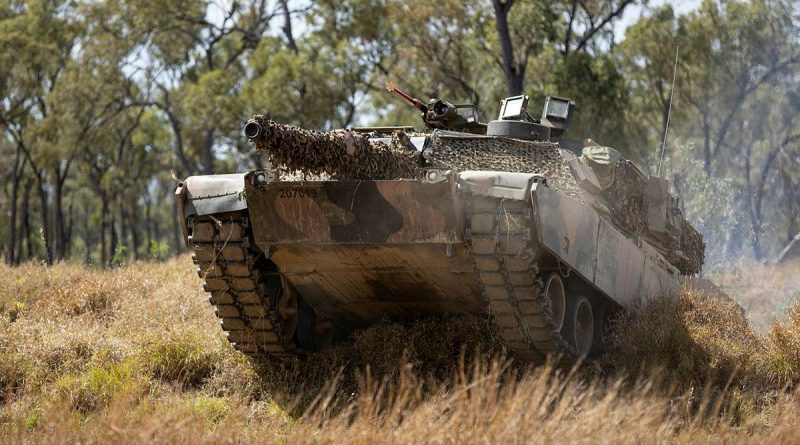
(549, 242)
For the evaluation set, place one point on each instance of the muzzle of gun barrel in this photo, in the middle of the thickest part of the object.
(252, 130)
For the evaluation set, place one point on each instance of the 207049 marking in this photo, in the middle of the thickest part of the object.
(297, 193)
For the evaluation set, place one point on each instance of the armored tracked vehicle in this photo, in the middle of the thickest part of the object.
(545, 235)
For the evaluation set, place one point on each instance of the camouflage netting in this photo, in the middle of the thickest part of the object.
(624, 194)
(693, 249)
(625, 198)
(503, 154)
(284, 174)
(342, 154)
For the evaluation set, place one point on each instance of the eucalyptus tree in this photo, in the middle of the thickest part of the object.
(38, 38)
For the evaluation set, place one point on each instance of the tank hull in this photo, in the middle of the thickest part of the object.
(367, 250)
(287, 262)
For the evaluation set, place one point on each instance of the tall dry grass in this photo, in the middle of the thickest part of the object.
(136, 355)
(764, 290)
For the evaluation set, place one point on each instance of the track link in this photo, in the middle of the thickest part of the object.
(500, 236)
(244, 286)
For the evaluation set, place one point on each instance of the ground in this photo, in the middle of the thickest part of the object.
(135, 354)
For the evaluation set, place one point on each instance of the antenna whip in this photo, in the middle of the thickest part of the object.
(669, 113)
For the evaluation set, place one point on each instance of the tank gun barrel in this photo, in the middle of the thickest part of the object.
(343, 154)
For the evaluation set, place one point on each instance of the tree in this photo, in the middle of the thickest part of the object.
(733, 50)
(33, 68)
(647, 57)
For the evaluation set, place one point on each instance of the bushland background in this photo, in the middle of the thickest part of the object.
(105, 102)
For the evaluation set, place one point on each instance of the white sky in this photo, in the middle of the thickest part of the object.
(632, 13)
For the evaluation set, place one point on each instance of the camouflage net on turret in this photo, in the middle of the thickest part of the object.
(342, 154)
(503, 154)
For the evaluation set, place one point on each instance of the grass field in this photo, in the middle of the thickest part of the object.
(135, 354)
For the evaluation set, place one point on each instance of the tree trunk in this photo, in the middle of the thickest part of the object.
(188, 169)
(60, 230)
(112, 246)
(147, 224)
(176, 230)
(87, 240)
(134, 228)
(757, 253)
(68, 239)
(706, 145)
(287, 26)
(25, 218)
(11, 257)
(783, 255)
(514, 71)
(103, 229)
(87, 243)
(124, 229)
(208, 152)
(45, 229)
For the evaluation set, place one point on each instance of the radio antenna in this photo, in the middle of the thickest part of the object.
(669, 113)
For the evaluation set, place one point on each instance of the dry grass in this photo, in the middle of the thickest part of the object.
(764, 290)
(136, 355)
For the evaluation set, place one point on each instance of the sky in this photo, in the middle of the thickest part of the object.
(632, 13)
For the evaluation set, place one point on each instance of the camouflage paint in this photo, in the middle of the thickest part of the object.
(660, 277)
(360, 212)
(619, 265)
(567, 228)
(658, 196)
(360, 251)
(363, 250)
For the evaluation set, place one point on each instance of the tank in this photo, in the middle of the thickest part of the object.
(546, 236)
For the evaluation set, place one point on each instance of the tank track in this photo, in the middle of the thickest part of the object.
(244, 286)
(499, 233)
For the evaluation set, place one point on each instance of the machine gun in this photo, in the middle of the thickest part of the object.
(443, 115)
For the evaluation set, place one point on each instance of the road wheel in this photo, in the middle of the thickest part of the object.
(554, 290)
(579, 324)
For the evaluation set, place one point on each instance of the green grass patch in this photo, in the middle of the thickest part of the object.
(212, 409)
(181, 359)
(100, 385)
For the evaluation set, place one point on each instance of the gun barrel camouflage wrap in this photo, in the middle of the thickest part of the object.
(343, 154)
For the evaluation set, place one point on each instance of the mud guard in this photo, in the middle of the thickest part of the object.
(209, 194)
(504, 185)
